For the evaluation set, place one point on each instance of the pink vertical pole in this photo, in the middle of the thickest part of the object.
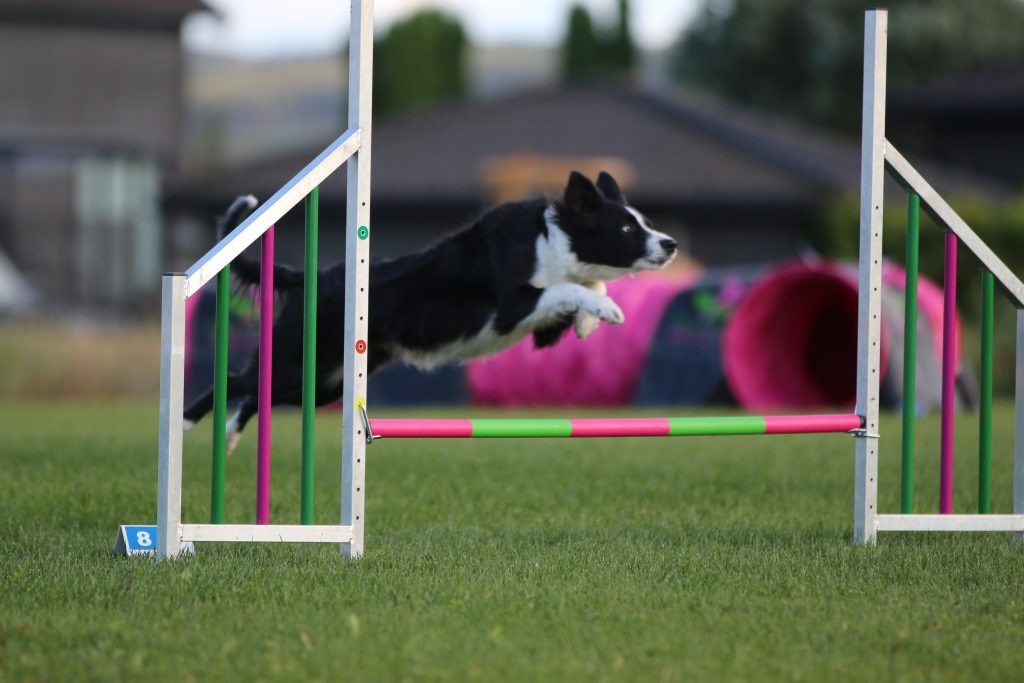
(266, 354)
(948, 375)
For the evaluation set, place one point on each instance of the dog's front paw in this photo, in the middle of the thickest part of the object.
(585, 324)
(607, 310)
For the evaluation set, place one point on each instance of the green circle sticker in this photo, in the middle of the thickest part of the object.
(363, 232)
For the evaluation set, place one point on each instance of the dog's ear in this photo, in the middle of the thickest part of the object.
(609, 188)
(580, 194)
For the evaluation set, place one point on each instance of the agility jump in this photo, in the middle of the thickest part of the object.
(359, 430)
(605, 427)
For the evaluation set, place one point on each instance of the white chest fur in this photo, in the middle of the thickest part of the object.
(557, 262)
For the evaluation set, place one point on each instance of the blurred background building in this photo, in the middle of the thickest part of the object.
(118, 147)
(734, 187)
(90, 125)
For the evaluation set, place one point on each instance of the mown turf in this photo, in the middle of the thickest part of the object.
(664, 559)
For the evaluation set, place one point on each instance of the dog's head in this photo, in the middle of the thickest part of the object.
(607, 236)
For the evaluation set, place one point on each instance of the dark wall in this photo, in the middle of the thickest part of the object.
(720, 235)
(90, 87)
(987, 142)
(91, 119)
(41, 236)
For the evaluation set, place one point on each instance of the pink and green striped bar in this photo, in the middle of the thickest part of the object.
(610, 427)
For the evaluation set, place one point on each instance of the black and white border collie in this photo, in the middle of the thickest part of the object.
(530, 267)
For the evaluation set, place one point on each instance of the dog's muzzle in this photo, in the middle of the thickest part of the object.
(665, 252)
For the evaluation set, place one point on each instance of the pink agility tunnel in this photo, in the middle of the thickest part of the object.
(792, 342)
(777, 340)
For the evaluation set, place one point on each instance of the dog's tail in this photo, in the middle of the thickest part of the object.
(244, 269)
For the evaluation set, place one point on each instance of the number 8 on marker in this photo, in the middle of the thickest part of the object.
(143, 539)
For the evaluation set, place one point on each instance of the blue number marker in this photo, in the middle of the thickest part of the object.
(141, 537)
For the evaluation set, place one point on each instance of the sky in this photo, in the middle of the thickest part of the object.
(271, 28)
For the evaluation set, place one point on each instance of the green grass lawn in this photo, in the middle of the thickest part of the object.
(559, 560)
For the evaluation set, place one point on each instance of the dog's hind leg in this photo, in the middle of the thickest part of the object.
(234, 426)
(282, 393)
(238, 385)
(200, 407)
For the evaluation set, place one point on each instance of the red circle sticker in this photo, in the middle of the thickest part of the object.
(360, 346)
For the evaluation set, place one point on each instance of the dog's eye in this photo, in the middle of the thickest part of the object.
(628, 228)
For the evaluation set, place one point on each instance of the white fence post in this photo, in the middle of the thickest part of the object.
(357, 280)
(1018, 423)
(172, 394)
(872, 181)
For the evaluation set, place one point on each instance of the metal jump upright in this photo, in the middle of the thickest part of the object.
(353, 148)
(878, 156)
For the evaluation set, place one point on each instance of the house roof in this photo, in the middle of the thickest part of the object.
(684, 150)
(998, 90)
(155, 14)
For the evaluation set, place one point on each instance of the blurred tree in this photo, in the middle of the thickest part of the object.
(587, 56)
(210, 152)
(621, 51)
(421, 61)
(804, 57)
(582, 60)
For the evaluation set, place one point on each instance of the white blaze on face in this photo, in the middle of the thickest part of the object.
(557, 262)
(555, 258)
(656, 256)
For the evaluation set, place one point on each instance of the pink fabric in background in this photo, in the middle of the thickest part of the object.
(930, 305)
(792, 342)
(602, 370)
(768, 357)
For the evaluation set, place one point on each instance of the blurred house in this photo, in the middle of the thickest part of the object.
(243, 109)
(734, 187)
(89, 125)
(16, 296)
(302, 100)
(975, 121)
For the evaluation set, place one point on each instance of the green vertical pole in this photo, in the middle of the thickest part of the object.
(220, 396)
(910, 353)
(985, 417)
(309, 357)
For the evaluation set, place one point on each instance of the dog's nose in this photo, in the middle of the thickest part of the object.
(669, 245)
